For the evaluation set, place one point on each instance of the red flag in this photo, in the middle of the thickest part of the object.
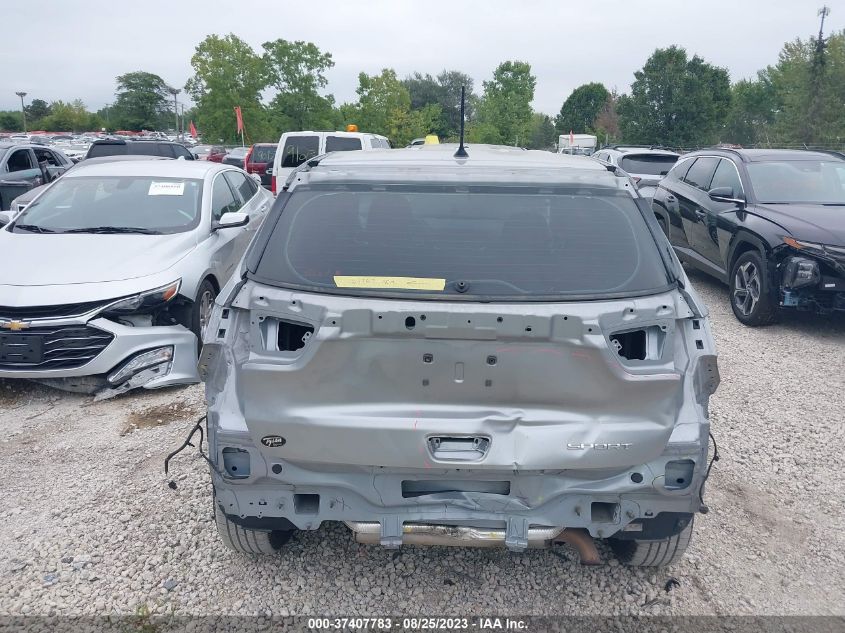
(193, 130)
(240, 118)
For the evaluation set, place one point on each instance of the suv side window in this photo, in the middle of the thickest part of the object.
(180, 150)
(342, 143)
(680, 169)
(727, 175)
(45, 155)
(298, 149)
(244, 186)
(701, 173)
(20, 160)
(222, 199)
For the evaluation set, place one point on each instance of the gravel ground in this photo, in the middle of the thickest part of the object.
(89, 526)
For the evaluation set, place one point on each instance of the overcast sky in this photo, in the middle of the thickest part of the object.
(55, 49)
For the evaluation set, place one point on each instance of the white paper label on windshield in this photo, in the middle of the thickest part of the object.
(166, 189)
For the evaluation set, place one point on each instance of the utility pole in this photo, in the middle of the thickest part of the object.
(23, 109)
(823, 12)
(174, 92)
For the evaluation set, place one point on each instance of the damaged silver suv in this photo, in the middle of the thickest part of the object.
(498, 349)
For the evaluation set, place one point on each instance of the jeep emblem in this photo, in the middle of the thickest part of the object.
(273, 441)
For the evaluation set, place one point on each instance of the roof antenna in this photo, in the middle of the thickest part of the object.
(461, 152)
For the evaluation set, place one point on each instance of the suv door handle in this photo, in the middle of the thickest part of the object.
(671, 199)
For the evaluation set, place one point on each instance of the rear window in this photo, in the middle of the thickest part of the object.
(298, 149)
(509, 243)
(648, 164)
(121, 149)
(263, 154)
(342, 143)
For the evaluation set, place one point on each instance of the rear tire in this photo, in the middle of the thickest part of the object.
(658, 553)
(247, 541)
(753, 301)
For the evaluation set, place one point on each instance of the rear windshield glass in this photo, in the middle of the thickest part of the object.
(342, 143)
(263, 154)
(114, 204)
(120, 149)
(648, 164)
(500, 242)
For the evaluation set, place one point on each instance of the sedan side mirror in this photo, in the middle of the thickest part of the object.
(230, 221)
(196, 156)
(726, 194)
(6, 217)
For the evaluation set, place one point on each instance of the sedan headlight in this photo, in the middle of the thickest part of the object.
(145, 301)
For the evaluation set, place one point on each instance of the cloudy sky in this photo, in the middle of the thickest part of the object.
(57, 49)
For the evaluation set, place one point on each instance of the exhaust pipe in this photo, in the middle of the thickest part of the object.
(369, 532)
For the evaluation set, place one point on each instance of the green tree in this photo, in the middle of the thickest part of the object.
(675, 101)
(384, 107)
(228, 73)
(141, 102)
(803, 83)
(11, 121)
(581, 109)
(36, 111)
(504, 112)
(543, 134)
(607, 122)
(297, 71)
(752, 112)
(70, 117)
(443, 91)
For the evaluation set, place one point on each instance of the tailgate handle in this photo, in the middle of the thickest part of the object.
(458, 449)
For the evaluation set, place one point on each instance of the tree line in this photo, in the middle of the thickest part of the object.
(676, 100)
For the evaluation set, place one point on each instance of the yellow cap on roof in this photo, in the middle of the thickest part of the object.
(431, 139)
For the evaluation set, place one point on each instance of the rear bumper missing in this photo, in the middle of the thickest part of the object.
(514, 509)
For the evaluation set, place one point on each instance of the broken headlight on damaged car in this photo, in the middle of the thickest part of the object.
(145, 301)
(800, 272)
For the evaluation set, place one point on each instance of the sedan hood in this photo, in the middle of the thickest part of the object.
(54, 260)
(808, 222)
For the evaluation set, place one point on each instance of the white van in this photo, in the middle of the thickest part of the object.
(297, 147)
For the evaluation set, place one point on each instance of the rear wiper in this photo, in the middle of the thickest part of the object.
(114, 229)
(33, 228)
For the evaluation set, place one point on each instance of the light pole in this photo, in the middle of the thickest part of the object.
(23, 110)
(174, 92)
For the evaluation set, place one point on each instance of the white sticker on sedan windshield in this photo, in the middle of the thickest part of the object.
(166, 189)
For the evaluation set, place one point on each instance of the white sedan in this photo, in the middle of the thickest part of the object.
(108, 277)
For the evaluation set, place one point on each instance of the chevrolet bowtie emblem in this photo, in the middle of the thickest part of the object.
(14, 326)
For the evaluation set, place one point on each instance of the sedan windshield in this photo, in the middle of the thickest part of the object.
(516, 243)
(125, 204)
(799, 181)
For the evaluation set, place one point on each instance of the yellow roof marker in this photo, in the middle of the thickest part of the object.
(401, 283)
